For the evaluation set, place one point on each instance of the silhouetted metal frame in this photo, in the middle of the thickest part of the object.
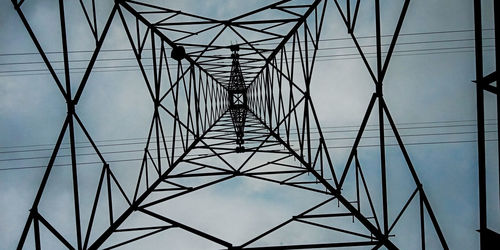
(383, 110)
(137, 203)
(34, 216)
(263, 109)
(261, 101)
(488, 237)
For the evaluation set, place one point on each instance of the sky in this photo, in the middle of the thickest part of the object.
(420, 87)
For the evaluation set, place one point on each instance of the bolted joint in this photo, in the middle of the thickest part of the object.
(378, 89)
(234, 48)
(237, 173)
(156, 103)
(240, 149)
(71, 107)
(307, 94)
(33, 211)
(420, 187)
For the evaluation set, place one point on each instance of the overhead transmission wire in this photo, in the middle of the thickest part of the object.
(294, 140)
(328, 139)
(323, 58)
(431, 51)
(143, 142)
(330, 147)
(313, 130)
(319, 49)
(318, 56)
(273, 43)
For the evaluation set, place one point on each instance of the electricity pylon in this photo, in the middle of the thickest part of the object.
(213, 102)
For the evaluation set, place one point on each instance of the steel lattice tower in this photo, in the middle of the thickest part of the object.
(216, 102)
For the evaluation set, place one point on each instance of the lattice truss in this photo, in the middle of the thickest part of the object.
(229, 99)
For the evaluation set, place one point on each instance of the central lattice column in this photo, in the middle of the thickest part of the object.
(237, 98)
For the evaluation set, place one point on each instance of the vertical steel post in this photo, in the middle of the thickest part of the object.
(71, 112)
(480, 123)
(496, 9)
(381, 117)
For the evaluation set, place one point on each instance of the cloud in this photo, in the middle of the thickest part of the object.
(116, 105)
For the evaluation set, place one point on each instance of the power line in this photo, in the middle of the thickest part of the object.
(401, 34)
(400, 55)
(319, 49)
(294, 140)
(319, 60)
(328, 58)
(328, 139)
(312, 130)
(331, 147)
(273, 43)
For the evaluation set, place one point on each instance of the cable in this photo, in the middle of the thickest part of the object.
(294, 140)
(274, 43)
(332, 147)
(319, 60)
(401, 34)
(398, 55)
(319, 49)
(313, 130)
(5, 73)
(142, 142)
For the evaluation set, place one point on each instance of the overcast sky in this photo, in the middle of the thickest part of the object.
(431, 82)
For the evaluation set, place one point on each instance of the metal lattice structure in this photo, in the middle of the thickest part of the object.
(218, 100)
(484, 82)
